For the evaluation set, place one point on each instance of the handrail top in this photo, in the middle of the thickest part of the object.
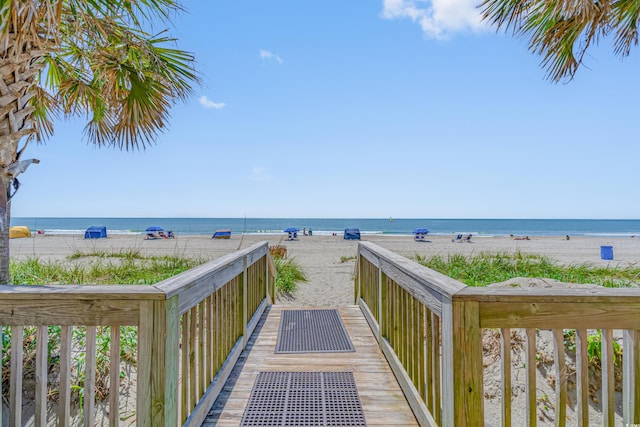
(560, 295)
(437, 281)
(174, 285)
(128, 292)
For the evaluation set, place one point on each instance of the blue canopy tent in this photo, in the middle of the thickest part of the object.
(293, 233)
(154, 229)
(222, 234)
(96, 232)
(420, 234)
(351, 234)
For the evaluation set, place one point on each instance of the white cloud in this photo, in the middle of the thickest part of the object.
(437, 18)
(266, 55)
(259, 174)
(207, 103)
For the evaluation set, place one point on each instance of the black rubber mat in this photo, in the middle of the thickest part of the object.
(312, 331)
(304, 399)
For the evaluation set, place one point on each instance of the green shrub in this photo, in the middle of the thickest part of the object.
(288, 273)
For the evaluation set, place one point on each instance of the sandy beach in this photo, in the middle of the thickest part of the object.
(329, 277)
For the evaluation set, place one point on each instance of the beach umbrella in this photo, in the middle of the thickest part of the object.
(420, 231)
(291, 230)
(154, 229)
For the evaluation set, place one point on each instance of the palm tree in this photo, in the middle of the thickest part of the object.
(88, 58)
(561, 31)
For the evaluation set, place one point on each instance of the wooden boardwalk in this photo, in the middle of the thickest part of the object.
(382, 400)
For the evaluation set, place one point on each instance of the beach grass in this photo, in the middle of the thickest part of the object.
(101, 268)
(486, 268)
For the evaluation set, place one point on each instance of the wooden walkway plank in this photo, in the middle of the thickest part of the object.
(382, 400)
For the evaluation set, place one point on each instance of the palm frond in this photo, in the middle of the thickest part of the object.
(561, 31)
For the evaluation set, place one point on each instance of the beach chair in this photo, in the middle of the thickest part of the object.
(457, 239)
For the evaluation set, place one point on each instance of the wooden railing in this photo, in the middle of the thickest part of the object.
(430, 327)
(191, 329)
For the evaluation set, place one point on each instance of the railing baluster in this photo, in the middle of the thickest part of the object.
(210, 359)
(185, 367)
(561, 378)
(582, 378)
(204, 379)
(64, 408)
(608, 378)
(437, 372)
(193, 381)
(429, 379)
(505, 352)
(420, 342)
(530, 383)
(114, 376)
(15, 386)
(42, 363)
(90, 376)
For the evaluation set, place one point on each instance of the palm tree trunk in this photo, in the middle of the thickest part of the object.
(19, 71)
(5, 218)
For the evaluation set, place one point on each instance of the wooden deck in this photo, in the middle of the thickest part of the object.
(382, 400)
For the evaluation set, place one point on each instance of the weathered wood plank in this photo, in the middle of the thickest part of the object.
(42, 363)
(64, 402)
(530, 379)
(561, 378)
(608, 378)
(193, 381)
(145, 360)
(437, 376)
(582, 378)
(90, 377)
(559, 315)
(505, 352)
(79, 292)
(184, 350)
(619, 296)
(114, 376)
(15, 382)
(68, 312)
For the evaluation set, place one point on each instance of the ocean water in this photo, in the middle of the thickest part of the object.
(328, 226)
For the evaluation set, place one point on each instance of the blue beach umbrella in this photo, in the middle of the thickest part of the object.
(291, 230)
(154, 229)
(420, 231)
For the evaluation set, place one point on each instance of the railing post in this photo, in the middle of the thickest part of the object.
(158, 334)
(461, 364)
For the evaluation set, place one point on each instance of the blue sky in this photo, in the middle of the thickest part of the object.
(333, 108)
